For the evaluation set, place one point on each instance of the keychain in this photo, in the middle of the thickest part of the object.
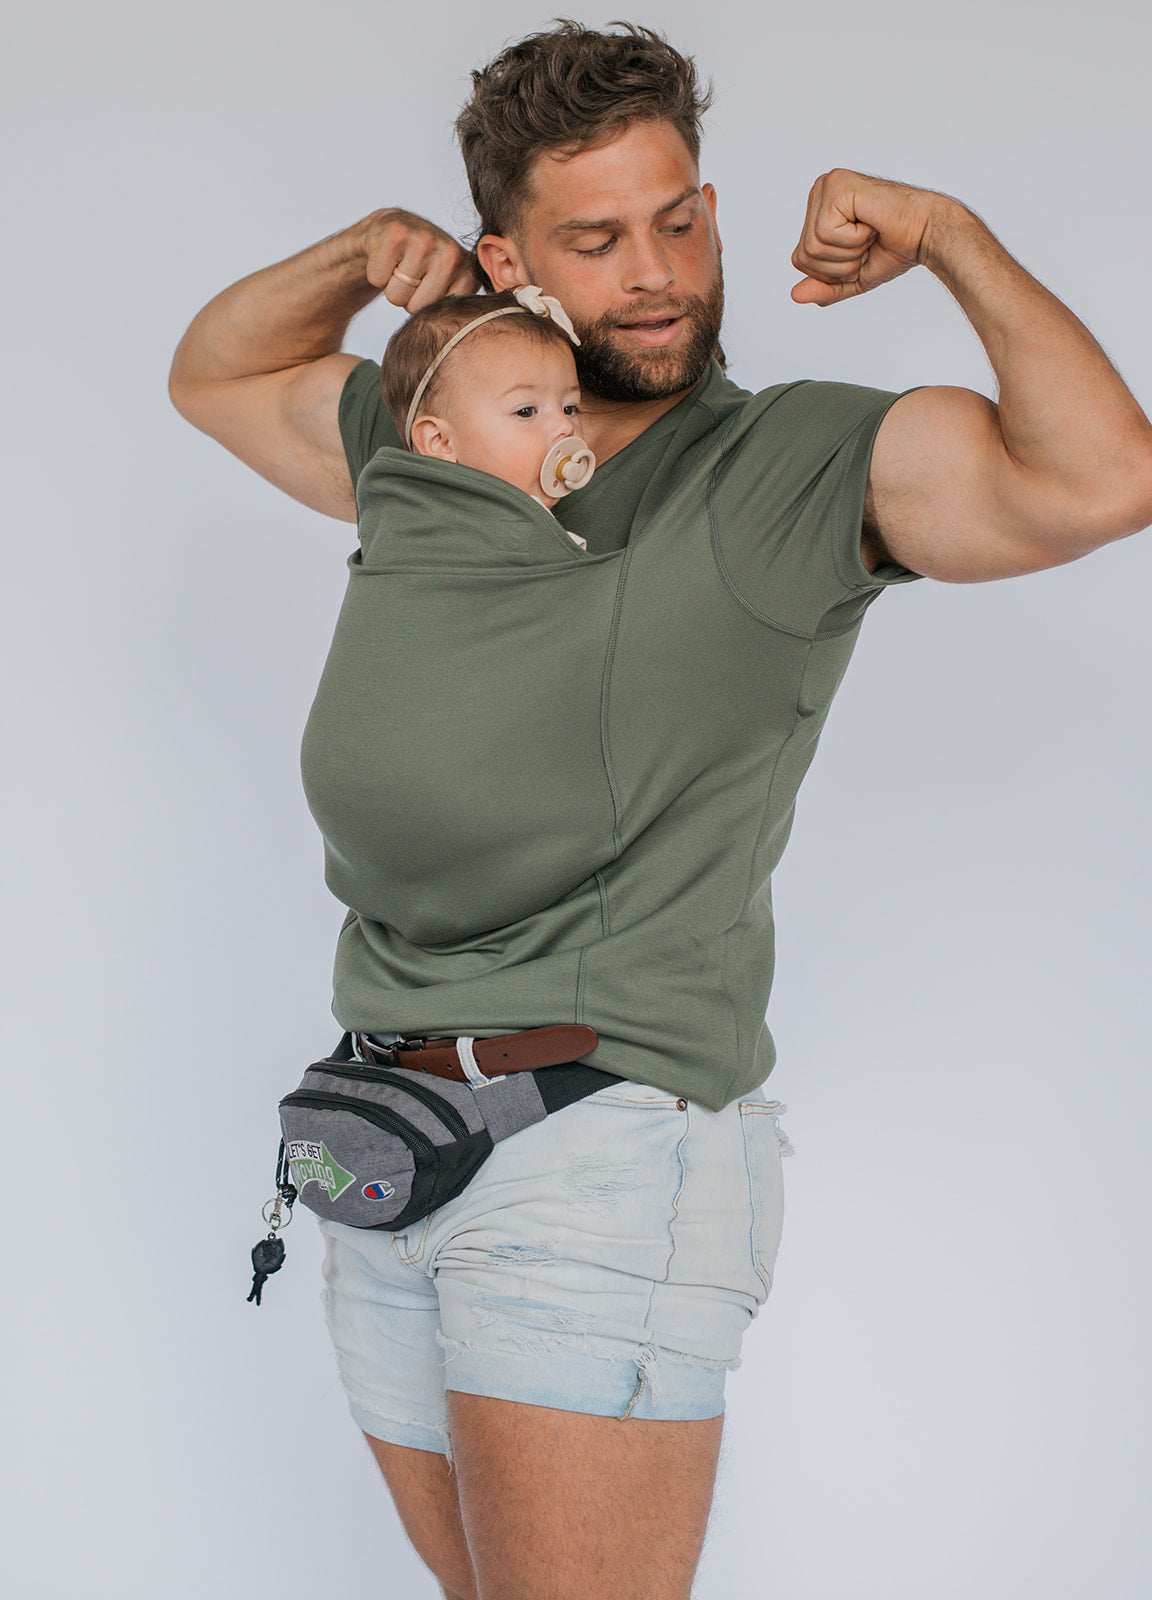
(268, 1253)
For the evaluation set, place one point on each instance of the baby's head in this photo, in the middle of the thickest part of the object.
(498, 400)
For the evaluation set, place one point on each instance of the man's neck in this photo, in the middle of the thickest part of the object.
(607, 426)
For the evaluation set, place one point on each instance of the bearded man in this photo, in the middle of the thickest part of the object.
(538, 1366)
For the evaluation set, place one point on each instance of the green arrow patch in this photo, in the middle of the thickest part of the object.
(314, 1163)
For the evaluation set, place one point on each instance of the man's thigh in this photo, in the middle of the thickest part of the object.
(557, 1505)
(424, 1488)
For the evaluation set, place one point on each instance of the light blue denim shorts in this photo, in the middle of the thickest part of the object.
(606, 1260)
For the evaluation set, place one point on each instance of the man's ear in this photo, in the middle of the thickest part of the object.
(431, 436)
(709, 194)
(502, 261)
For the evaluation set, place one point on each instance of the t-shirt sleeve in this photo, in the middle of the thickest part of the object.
(365, 425)
(787, 505)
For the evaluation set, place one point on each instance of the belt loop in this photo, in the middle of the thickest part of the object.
(469, 1066)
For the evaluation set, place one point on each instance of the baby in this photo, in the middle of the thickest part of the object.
(489, 381)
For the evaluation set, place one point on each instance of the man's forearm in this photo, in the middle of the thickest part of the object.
(260, 368)
(1064, 411)
(288, 314)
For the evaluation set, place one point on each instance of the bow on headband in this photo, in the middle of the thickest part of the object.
(546, 305)
(531, 299)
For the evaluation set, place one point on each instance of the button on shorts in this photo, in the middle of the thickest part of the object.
(606, 1260)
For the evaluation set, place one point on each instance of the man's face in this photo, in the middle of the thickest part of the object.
(625, 238)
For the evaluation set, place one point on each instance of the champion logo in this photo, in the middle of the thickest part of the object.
(378, 1191)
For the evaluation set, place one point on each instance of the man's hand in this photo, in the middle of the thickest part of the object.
(414, 262)
(859, 232)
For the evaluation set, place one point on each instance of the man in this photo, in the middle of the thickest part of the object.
(596, 198)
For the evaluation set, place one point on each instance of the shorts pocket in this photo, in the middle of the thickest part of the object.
(765, 1184)
(411, 1246)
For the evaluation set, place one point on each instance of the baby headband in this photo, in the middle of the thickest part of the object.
(531, 299)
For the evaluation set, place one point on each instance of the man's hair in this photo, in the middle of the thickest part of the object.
(419, 340)
(568, 86)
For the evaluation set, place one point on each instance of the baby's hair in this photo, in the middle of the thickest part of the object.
(418, 341)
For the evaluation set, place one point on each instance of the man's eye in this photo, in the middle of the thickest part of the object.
(526, 411)
(681, 227)
(601, 249)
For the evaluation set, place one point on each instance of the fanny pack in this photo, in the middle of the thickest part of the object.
(380, 1142)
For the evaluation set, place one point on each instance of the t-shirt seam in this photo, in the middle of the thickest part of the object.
(605, 683)
(578, 1008)
(726, 577)
(855, 587)
(605, 909)
(765, 809)
(516, 568)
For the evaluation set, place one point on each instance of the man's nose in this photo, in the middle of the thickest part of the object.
(646, 267)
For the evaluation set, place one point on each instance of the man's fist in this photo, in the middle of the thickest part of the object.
(859, 232)
(414, 261)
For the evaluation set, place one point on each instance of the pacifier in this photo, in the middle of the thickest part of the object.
(568, 465)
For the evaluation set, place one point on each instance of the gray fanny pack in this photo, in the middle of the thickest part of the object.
(380, 1147)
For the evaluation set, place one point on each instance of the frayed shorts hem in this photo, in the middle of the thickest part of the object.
(414, 1435)
(656, 1387)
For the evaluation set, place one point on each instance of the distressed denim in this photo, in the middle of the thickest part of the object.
(606, 1260)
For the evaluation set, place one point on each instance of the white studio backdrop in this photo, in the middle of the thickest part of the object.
(948, 1392)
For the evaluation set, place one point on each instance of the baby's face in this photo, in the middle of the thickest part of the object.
(506, 401)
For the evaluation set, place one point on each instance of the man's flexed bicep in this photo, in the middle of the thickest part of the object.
(949, 498)
(962, 489)
(260, 368)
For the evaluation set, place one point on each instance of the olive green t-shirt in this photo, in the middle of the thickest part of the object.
(553, 783)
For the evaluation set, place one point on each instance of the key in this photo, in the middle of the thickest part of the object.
(267, 1258)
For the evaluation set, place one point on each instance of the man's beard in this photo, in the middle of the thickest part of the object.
(609, 372)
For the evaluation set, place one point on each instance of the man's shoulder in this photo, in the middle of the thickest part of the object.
(365, 423)
(811, 404)
(798, 425)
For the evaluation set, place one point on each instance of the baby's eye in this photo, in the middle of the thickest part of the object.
(572, 411)
(526, 411)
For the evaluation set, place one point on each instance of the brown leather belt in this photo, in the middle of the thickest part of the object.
(467, 1060)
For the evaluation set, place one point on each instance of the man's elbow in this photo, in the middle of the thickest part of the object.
(180, 395)
(197, 403)
(182, 392)
(195, 395)
(1123, 504)
(1141, 491)
(1113, 503)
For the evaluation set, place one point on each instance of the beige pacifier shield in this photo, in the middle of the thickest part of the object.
(567, 466)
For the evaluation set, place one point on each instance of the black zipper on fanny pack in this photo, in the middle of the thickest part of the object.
(443, 1109)
(380, 1115)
